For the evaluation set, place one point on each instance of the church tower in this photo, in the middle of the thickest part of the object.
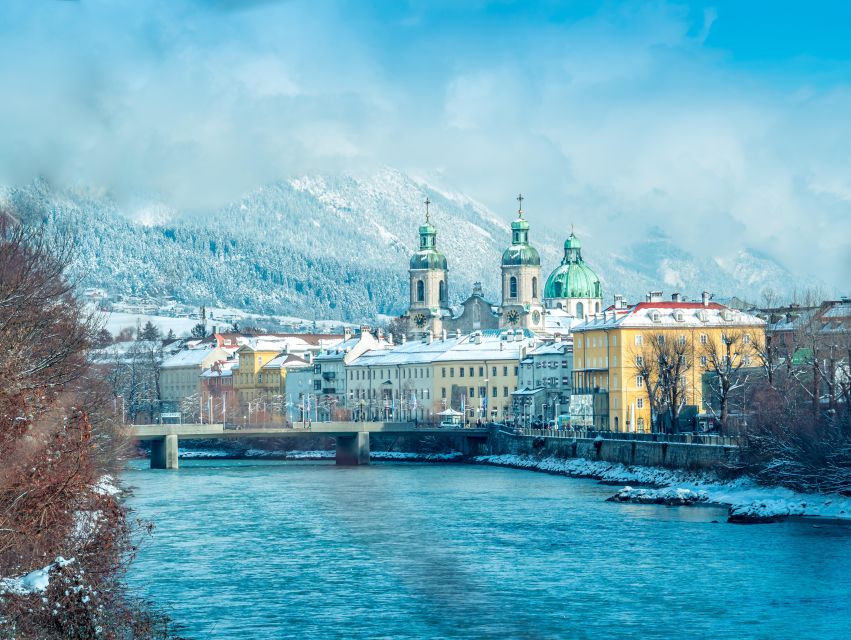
(429, 285)
(521, 306)
(573, 287)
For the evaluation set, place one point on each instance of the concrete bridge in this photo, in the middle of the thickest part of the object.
(352, 438)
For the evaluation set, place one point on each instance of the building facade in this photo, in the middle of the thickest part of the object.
(474, 373)
(616, 356)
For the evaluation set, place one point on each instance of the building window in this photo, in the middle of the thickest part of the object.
(472, 371)
(483, 392)
(460, 372)
(472, 392)
(534, 288)
(493, 371)
(641, 423)
(639, 340)
(442, 291)
(640, 403)
(505, 371)
(317, 368)
(481, 372)
(443, 372)
(420, 291)
(703, 338)
(516, 370)
(505, 392)
(580, 310)
(494, 392)
(639, 381)
(317, 385)
(746, 339)
(451, 372)
(443, 392)
(512, 287)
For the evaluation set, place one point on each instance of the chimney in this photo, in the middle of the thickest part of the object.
(619, 301)
(429, 337)
(457, 333)
(308, 355)
(518, 335)
(676, 297)
(390, 338)
(444, 335)
(654, 296)
(706, 296)
(404, 338)
(347, 333)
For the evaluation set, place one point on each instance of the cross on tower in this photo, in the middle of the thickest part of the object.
(426, 203)
(520, 199)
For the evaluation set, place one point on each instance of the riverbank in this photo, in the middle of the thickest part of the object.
(747, 501)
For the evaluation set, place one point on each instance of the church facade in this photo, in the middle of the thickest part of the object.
(571, 292)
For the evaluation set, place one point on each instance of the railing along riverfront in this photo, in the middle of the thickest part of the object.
(672, 438)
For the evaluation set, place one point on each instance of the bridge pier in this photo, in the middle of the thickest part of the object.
(164, 453)
(353, 449)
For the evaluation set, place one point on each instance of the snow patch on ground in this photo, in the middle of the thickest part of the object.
(402, 456)
(35, 581)
(747, 500)
(211, 454)
(106, 486)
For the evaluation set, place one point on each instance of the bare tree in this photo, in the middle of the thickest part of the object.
(725, 356)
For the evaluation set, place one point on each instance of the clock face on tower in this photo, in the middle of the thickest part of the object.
(420, 320)
(512, 316)
(536, 316)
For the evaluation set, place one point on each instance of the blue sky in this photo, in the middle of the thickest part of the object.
(725, 123)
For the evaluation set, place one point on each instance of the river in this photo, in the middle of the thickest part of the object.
(261, 549)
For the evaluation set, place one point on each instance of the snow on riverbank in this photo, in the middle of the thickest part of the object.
(281, 454)
(35, 581)
(747, 500)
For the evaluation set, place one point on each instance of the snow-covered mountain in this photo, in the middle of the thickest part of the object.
(338, 246)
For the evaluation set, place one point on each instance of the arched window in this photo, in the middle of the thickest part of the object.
(617, 428)
(442, 291)
(557, 289)
(420, 291)
(534, 288)
(512, 287)
(580, 310)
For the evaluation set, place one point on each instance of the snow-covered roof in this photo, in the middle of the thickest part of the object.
(551, 349)
(287, 361)
(188, 358)
(224, 370)
(650, 315)
(491, 345)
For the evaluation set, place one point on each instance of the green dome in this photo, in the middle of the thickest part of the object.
(520, 252)
(428, 259)
(573, 278)
(518, 255)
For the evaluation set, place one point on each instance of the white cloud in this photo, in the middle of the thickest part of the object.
(619, 122)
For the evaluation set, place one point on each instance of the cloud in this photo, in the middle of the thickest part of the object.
(618, 120)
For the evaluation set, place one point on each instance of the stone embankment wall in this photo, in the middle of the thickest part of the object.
(678, 455)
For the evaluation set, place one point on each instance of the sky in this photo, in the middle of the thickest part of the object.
(725, 124)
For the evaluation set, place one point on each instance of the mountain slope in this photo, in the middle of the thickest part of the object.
(338, 246)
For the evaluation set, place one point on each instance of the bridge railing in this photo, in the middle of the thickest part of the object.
(678, 438)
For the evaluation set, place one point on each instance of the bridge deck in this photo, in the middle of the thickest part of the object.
(333, 429)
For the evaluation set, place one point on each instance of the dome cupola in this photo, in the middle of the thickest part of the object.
(520, 252)
(572, 278)
(428, 257)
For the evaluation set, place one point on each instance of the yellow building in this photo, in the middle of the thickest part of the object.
(616, 356)
(262, 370)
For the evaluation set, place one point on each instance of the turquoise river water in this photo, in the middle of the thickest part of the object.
(261, 549)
